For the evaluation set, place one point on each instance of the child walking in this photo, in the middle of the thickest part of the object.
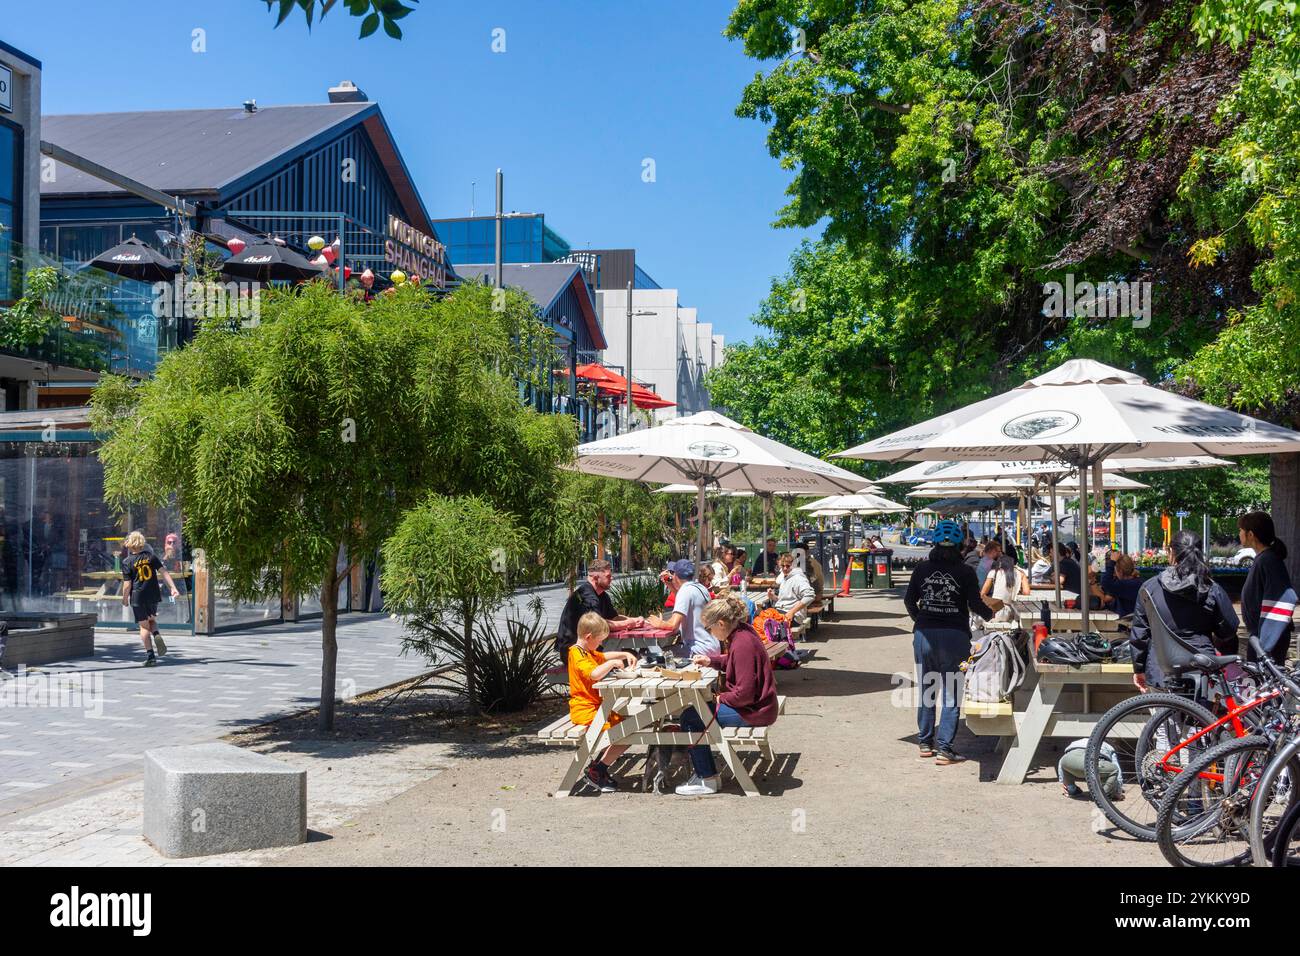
(142, 592)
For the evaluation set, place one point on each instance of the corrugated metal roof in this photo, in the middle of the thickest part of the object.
(185, 151)
(544, 281)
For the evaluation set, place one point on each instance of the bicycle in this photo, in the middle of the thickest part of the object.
(1175, 729)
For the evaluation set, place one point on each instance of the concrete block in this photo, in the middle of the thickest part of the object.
(218, 798)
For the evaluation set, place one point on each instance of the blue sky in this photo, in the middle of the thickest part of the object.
(584, 92)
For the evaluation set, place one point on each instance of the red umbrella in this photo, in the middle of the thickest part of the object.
(642, 397)
(594, 372)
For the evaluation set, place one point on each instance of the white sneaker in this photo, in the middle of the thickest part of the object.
(699, 787)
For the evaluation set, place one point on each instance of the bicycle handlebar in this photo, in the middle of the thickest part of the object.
(1269, 665)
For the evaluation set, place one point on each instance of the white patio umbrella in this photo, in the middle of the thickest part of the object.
(681, 488)
(862, 503)
(711, 450)
(1080, 414)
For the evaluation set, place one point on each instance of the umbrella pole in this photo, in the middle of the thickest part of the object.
(699, 510)
(1056, 549)
(1085, 597)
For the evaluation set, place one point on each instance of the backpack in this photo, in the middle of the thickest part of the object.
(773, 629)
(994, 669)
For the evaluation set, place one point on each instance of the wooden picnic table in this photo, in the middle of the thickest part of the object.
(636, 637)
(1038, 710)
(644, 702)
(1066, 619)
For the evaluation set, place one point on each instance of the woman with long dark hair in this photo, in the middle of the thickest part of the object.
(1267, 598)
(1196, 608)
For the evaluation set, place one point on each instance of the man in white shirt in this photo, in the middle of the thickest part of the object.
(688, 604)
(793, 591)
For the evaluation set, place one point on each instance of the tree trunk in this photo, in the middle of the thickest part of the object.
(329, 605)
(600, 536)
(626, 549)
(470, 688)
(1284, 482)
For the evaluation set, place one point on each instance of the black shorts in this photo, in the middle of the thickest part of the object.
(143, 612)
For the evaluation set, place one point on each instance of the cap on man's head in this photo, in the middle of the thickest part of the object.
(684, 569)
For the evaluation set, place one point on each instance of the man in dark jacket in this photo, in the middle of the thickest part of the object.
(941, 596)
(1199, 611)
(590, 595)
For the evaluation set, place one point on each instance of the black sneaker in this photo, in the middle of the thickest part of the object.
(944, 757)
(600, 779)
(150, 661)
(159, 643)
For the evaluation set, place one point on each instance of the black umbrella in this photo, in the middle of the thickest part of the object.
(268, 262)
(136, 260)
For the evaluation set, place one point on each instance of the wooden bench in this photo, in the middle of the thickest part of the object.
(564, 731)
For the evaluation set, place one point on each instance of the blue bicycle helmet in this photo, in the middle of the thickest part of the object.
(947, 532)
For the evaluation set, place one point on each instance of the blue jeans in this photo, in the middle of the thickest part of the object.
(939, 652)
(701, 756)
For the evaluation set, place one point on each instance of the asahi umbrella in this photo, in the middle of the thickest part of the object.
(711, 450)
(267, 262)
(135, 259)
(1081, 413)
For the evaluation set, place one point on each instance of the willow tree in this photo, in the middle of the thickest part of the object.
(295, 447)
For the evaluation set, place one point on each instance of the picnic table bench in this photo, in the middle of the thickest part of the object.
(1066, 619)
(645, 703)
(1056, 700)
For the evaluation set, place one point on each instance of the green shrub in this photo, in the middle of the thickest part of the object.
(509, 661)
(638, 596)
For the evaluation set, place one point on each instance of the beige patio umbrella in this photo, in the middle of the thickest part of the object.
(1080, 414)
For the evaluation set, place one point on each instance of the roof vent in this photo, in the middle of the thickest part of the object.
(250, 106)
(347, 92)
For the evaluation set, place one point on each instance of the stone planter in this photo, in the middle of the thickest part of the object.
(46, 637)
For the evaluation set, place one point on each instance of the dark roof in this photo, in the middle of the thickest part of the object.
(14, 51)
(543, 281)
(184, 151)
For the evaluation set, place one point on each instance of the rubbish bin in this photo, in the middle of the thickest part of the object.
(859, 568)
(882, 567)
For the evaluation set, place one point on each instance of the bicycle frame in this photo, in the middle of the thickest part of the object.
(1233, 716)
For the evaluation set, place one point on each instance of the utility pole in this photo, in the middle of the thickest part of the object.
(500, 213)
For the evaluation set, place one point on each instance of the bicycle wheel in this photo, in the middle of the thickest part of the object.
(1204, 819)
(1142, 730)
(1286, 838)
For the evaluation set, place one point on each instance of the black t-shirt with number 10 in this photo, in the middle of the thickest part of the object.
(142, 571)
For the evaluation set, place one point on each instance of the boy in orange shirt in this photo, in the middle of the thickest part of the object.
(587, 665)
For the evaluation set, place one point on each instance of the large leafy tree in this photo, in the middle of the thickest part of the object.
(963, 153)
(303, 441)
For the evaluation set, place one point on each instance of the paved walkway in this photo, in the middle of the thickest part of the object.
(74, 726)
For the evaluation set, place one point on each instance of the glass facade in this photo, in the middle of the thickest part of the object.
(61, 548)
(523, 239)
(11, 197)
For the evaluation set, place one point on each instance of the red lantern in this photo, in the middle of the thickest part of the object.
(236, 245)
(367, 278)
(330, 253)
(347, 273)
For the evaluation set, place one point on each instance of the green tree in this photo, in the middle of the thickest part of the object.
(305, 439)
(373, 13)
(962, 153)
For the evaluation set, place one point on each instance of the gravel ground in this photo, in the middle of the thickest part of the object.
(848, 788)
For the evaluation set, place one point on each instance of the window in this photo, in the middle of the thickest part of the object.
(11, 196)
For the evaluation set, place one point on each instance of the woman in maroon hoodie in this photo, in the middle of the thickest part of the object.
(748, 694)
